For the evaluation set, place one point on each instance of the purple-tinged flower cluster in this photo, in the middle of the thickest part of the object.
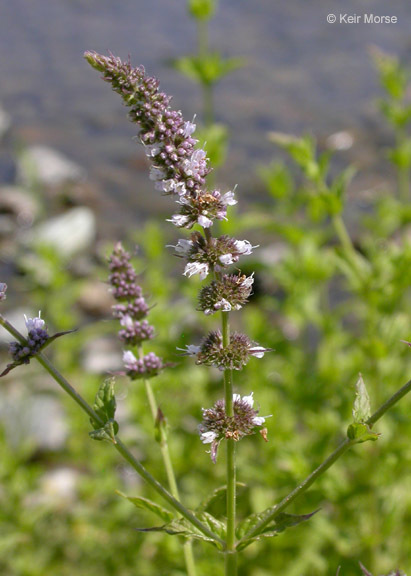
(36, 338)
(131, 310)
(178, 167)
(216, 425)
(146, 367)
(215, 254)
(234, 356)
(230, 292)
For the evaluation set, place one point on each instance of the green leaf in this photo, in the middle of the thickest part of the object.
(105, 408)
(361, 432)
(279, 524)
(107, 432)
(105, 402)
(185, 529)
(362, 407)
(202, 9)
(146, 504)
(207, 69)
(217, 494)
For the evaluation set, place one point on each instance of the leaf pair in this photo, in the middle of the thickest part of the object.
(105, 408)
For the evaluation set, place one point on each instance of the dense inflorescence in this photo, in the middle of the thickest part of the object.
(132, 310)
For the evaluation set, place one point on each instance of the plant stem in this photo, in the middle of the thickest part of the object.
(402, 171)
(347, 245)
(273, 512)
(119, 446)
(230, 555)
(168, 465)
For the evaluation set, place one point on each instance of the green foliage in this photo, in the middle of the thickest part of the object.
(105, 408)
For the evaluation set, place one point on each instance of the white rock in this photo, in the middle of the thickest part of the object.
(48, 167)
(70, 233)
(101, 356)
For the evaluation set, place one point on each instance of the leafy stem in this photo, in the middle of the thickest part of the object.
(273, 512)
(117, 443)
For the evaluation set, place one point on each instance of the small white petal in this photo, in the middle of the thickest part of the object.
(208, 437)
(258, 420)
(223, 305)
(200, 268)
(191, 349)
(126, 321)
(204, 221)
(128, 357)
(258, 351)
(226, 259)
(179, 220)
(249, 400)
(228, 199)
(34, 323)
(236, 398)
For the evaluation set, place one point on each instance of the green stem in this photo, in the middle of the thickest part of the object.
(168, 465)
(402, 171)
(119, 446)
(347, 245)
(273, 512)
(230, 556)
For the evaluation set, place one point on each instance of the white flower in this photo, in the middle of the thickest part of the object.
(34, 323)
(182, 247)
(204, 221)
(208, 437)
(244, 247)
(226, 259)
(258, 351)
(189, 128)
(126, 321)
(200, 268)
(190, 350)
(228, 199)
(192, 166)
(223, 305)
(249, 400)
(179, 220)
(259, 420)
(248, 281)
(129, 359)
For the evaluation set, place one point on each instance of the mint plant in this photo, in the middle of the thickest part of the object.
(179, 169)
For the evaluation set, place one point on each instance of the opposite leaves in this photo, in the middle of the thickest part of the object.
(105, 408)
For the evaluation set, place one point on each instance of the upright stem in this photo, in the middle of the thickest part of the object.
(168, 465)
(403, 171)
(230, 554)
(273, 512)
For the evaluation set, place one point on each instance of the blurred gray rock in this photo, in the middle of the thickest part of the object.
(48, 167)
(102, 356)
(70, 233)
(38, 419)
(5, 122)
(95, 299)
(18, 205)
(15, 317)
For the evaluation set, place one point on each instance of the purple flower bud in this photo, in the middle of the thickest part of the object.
(230, 292)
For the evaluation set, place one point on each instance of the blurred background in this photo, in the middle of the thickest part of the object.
(73, 181)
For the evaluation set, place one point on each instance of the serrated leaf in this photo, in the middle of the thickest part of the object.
(107, 432)
(362, 407)
(146, 504)
(361, 432)
(279, 524)
(105, 402)
(217, 494)
(185, 529)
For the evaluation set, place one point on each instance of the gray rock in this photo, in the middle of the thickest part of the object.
(39, 418)
(48, 167)
(102, 356)
(5, 122)
(70, 233)
(19, 205)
